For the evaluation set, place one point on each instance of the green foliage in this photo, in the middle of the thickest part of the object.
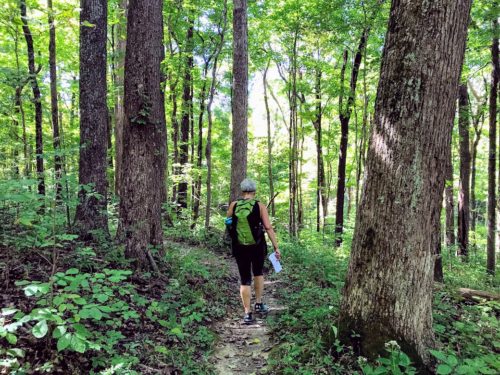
(118, 322)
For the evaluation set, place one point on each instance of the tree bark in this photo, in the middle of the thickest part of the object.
(54, 101)
(345, 116)
(91, 213)
(495, 76)
(240, 97)
(388, 291)
(37, 99)
(121, 42)
(144, 135)
(465, 161)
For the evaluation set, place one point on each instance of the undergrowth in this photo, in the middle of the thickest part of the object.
(467, 332)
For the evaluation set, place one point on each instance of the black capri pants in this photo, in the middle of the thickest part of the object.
(250, 259)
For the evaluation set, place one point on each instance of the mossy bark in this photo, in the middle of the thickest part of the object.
(144, 135)
(388, 291)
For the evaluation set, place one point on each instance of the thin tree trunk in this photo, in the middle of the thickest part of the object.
(269, 142)
(393, 245)
(478, 127)
(121, 43)
(37, 99)
(144, 135)
(199, 149)
(449, 200)
(465, 162)
(211, 95)
(187, 103)
(91, 213)
(54, 101)
(317, 123)
(345, 116)
(495, 76)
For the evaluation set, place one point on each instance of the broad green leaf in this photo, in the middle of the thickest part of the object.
(444, 369)
(77, 344)
(40, 329)
(64, 341)
(11, 338)
(59, 331)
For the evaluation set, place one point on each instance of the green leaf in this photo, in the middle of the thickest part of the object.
(72, 271)
(9, 311)
(58, 332)
(444, 369)
(40, 329)
(77, 344)
(16, 352)
(101, 297)
(64, 341)
(11, 338)
(439, 355)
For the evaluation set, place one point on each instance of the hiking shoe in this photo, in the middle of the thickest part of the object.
(248, 318)
(261, 308)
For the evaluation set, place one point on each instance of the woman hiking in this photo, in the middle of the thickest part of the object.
(247, 219)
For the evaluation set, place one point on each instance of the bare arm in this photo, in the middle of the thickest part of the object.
(230, 209)
(264, 216)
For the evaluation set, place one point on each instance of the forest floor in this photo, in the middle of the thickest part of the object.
(244, 349)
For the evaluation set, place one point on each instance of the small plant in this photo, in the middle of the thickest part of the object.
(396, 363)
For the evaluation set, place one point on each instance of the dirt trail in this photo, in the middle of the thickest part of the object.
(244, 349)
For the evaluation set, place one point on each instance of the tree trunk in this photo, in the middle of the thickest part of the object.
(495, 76)
(449, 200)
(54, 101)
(121, 42)
(269, 142)
(345, 116)
(382, 299)
(213, 85)
(199, 149)
(478, 127)
(37, 99)
(240, 97)
(317, 123)
(91, 213)
(187, 103)
(144, 135)
(465, 160)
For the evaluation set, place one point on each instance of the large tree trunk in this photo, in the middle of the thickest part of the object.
(495, 76)
(121, 42)
(37, 99)
(240, 97)
(144, 134)
(91, 213)
(388, 291)
(54, 101)
(187, 103)
(465, 159)
(345, 116)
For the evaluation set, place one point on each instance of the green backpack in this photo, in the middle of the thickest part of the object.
(247, 229)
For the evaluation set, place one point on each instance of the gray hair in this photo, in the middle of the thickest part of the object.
(248, 185)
